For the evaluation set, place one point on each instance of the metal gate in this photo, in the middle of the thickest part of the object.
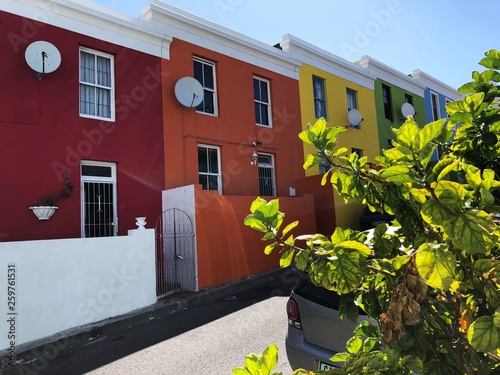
(175, 253)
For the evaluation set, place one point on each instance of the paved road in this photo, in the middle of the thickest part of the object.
(207, 339)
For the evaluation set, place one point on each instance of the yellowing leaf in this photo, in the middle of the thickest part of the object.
(436, 265)
(484, 335)
(471, 231)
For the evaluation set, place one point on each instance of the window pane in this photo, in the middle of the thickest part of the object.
(214, 161)
(213, 182)
(207, 105)
(87, 67)
(256, 91)
(202, 160)
(103, 71)
(203, 180)
(208, 76)
(103, 103)
(198, 71)
(96, 170)
(263, 92)
(87, 100)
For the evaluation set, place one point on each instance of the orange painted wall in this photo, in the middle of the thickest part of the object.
(227, 250)
(234, 129)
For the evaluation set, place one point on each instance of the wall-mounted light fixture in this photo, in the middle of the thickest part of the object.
(257, 143)
(254, 158)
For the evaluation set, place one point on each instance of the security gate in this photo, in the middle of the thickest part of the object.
(175, 253)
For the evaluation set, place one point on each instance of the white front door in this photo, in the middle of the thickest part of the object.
(98, 192)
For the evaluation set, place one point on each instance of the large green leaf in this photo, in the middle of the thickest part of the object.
(407, 134)
(355, 246)
(341, 273)
(436, 265)
(259, 364)
(429, 133)
(484, 334)
(435, 213)
(450, 193)
(398, 174)
(471, 231)
(254, 223)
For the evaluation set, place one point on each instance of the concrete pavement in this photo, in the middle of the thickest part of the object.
(49, 347)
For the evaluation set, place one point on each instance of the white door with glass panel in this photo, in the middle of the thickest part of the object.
(98, 192)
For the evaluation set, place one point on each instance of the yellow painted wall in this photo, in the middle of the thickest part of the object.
(364, 138)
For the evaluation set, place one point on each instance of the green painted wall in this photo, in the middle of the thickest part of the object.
(398, 99)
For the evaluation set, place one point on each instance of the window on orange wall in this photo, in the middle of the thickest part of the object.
(267, 182)
(209, 168)
(97, 93)
(204, 72)
(262, 101)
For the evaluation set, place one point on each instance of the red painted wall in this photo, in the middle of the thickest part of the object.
(42, 135)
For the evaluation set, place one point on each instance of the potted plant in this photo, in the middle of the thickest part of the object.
(45, 207)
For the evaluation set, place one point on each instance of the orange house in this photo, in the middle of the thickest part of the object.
(235, 141)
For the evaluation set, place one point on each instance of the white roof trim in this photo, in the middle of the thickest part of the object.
(91, 19)
(436, 85)
(392, 76)
(326, 61)
(196, 30)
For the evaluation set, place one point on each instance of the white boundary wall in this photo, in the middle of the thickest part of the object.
(62, 284)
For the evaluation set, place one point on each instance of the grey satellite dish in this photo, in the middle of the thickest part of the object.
(43, 57)
(354, 117)
(407, 110)
(189, 92)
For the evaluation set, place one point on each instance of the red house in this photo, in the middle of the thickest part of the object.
(86, 129)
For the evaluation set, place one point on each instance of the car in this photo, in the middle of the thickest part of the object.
(315, 330)
(369, 219)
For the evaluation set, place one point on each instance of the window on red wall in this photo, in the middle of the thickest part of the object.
(97, 96)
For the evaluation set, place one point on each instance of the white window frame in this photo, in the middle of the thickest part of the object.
(267, 104)
(352, 98)
(219, 173)
(435, 106)
(266, 165)
(212, 91)
(96, 86)
(321, 98)
(97, 179)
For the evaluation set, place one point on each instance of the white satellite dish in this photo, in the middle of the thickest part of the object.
(354, 117)
(43, 57)
(189, 92)
(407, 110)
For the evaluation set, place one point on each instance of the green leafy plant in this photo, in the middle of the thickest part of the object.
(432, 283)
(260, 364)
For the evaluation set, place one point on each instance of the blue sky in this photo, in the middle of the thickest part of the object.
(443, 38)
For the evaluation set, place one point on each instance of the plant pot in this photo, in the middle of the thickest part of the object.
(43, 212)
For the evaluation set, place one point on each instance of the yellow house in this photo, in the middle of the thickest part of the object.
(342, 93)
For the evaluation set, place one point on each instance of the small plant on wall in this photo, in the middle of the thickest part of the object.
(45, 207)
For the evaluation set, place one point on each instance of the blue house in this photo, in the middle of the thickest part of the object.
(436, 95)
